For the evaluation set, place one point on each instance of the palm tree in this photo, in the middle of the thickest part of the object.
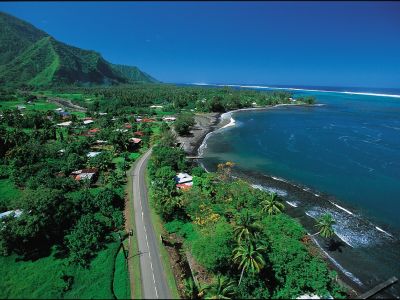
(272, 205)
(325, 225)
(224, 288)
(246, 228)
(249, 257)
(191, 289)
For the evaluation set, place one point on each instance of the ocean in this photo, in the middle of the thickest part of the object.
(341, 156)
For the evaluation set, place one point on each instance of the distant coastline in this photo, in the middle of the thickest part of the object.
(300, 89)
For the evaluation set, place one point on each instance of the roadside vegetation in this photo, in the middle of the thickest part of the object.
(240, 236)
(58, 224)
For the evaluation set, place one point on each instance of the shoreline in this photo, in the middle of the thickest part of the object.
(224, 120)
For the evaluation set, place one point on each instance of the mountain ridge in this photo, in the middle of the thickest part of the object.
(30, 56)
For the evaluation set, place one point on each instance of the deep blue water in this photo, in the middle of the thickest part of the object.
(346, 152)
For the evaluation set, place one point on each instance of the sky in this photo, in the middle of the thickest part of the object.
(274, 43)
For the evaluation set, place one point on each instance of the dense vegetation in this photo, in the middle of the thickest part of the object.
(64, 223)
(30, 57)
(174, 99)
(237, 233)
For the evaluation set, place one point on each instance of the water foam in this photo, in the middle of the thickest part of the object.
(342, 208)
(307, 90)
(293, 203)
(279, 192)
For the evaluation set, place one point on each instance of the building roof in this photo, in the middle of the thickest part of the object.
(184, 186)
(17, 213)
(68, 123)
(92, 154)
(135, 140)
(84, 174)
(183, 178)
(87, 122)
(94, 130)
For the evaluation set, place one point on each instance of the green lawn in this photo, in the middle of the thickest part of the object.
(134, 248)
(8, 192)
(122, 288)
(37, 105)
(41, 278)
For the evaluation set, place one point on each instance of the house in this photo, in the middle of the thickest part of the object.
(17, 213)
(93, 131)
(127, 126)
(254, 104)
(183, 178)
(92, 154)
(86, 122)
(134, 143)
(146, 120)
(184, 186)
(102, 114)
(59, 109)
(121, 130)
(21, 107)
(169, 119)
(85, 174)
(100, 142)
(68, 123)
(135, 140)
(156, 106)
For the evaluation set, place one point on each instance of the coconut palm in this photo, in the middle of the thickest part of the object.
(224, 288)
(246, 228)
(191, 289)
(325, 225)
(249, 257)
(272, 205)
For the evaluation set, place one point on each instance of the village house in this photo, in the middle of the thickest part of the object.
(169, 119)
(183, 181)
(85, 174)
(17, 213)
(156, 106)
(64, 124)
(92, 154)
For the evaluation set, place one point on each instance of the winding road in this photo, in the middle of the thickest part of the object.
(154, 283)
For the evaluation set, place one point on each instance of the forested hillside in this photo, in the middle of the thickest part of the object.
(31, 57)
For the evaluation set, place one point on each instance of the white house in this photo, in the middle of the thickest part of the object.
(93, 154)
(183, 178)
(16, 213)
(68, 123)
(156, 106)
(85, 122)
(169, 119)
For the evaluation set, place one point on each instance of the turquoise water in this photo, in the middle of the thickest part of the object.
(342, 157)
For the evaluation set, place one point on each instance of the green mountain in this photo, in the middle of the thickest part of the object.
(30, 56)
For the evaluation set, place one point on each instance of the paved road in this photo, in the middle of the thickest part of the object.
(154, 283)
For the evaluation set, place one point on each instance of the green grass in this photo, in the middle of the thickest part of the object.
(121, 277)
(134, 156)
(40, 278)
(8, 192)
(134, 248)
(39, 105)
(159, 229)
(95, 282)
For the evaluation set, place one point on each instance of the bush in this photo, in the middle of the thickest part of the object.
(183, 123)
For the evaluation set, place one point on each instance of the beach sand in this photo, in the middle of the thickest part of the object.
(205, 123)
